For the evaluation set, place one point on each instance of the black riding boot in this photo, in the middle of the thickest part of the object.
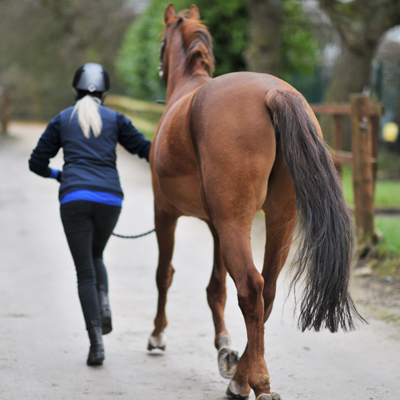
(105, 312)
(96, 351)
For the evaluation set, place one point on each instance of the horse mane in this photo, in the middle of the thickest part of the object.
(197, 42)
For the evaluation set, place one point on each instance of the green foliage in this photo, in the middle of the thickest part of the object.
(138, 57)
(300, 48)
(228, 24)
(45, 41)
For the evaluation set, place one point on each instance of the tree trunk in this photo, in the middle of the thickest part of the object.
(264, 52)
(351, 74)
(360, 24)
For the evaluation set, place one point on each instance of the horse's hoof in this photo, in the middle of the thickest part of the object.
(272, 396)
(237, 391)
(156, 342)
(227, 361)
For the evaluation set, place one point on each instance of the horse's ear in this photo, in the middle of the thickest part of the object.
(169, 13)
(194, 12)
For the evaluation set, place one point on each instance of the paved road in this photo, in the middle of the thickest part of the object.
(43, 344)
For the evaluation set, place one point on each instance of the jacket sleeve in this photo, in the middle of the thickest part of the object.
(133, 140)
(48, 146)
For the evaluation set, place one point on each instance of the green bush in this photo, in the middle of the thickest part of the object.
(300, 48)
(138, 58)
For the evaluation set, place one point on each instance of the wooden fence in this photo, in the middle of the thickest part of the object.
(365, 122)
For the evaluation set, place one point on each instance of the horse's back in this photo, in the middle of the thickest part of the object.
(239, 97)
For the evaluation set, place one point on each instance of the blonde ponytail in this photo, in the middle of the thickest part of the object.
(88, 116)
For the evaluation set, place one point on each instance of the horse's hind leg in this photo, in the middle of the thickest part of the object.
(279, 230)
(216, 296)
(280, 218)
(165, 224)
(236, 250)
(232, 216)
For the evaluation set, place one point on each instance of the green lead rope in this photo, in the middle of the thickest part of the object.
(133, 237)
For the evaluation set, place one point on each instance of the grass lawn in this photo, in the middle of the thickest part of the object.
(388, 262)
(387, 192)
(390, 227)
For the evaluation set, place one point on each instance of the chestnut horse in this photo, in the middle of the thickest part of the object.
(226, 148)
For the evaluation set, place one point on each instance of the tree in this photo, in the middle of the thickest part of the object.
(360, 24)
(138, 62)
(45, 41)
(264, 53)
(281, 40)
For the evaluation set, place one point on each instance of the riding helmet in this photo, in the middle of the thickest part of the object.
(91, 77)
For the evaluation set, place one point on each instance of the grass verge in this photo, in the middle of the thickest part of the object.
(387, 192)
(386, 255)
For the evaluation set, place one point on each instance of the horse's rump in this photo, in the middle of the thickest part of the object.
(219, 137)
(235, 141)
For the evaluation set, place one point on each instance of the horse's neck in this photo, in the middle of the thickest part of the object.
(185, 86)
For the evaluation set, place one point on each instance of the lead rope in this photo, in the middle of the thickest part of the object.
(133, 237)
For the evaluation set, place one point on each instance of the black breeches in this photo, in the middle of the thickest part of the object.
(88, 226)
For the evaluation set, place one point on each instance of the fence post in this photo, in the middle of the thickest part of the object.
(363, 180)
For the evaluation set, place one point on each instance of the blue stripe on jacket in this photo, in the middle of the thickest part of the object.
(89, 195)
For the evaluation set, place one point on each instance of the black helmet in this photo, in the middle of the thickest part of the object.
(91, 77)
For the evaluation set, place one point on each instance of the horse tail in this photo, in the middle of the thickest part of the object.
(327, 241)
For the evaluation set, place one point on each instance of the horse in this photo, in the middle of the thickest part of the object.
(224, 149)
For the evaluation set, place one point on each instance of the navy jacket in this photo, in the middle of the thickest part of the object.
(89, 164)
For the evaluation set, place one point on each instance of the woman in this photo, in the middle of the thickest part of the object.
(90, 192)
